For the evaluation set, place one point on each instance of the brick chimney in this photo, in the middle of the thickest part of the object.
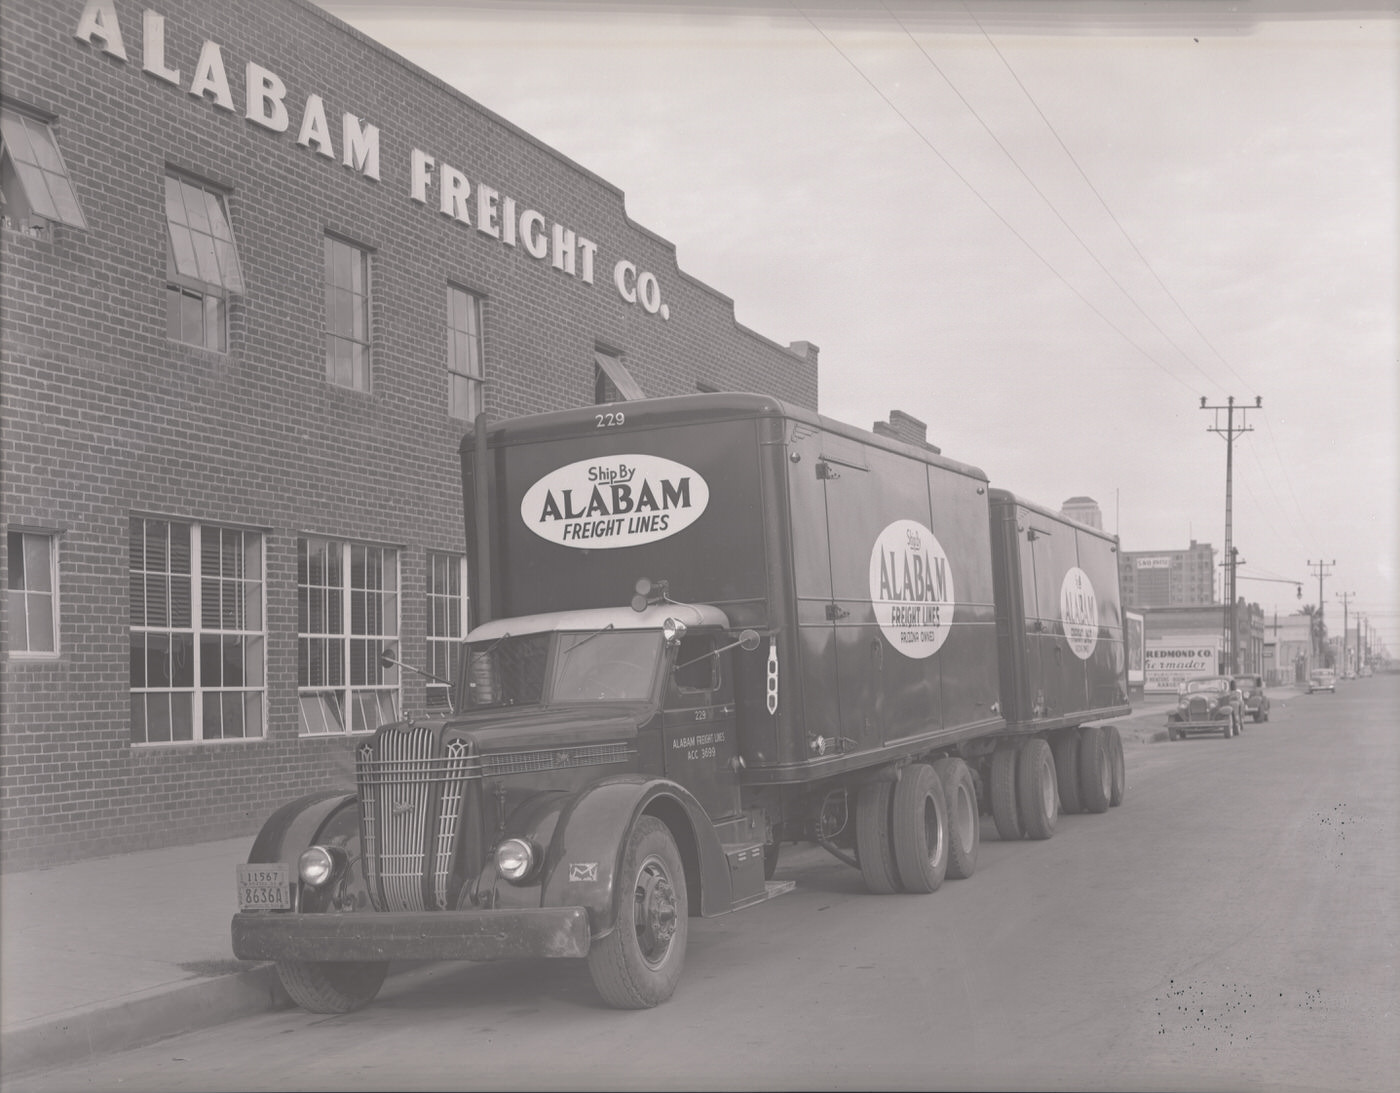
(905, 427)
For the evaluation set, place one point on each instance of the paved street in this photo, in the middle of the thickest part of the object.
(1233, 925)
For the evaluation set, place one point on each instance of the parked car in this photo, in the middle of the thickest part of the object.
(1322, 679)
(1256, 702)
(1207, 704)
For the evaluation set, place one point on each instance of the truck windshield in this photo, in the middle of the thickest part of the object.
(602, 666)
(615, 666)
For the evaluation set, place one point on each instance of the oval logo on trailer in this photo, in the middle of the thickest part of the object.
(614, 501)
(911, 588)
(1079, 611)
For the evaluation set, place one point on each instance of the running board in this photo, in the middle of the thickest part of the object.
(771, 889)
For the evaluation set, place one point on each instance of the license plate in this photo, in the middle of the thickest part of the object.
(265, 886)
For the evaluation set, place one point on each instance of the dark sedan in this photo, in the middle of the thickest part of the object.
(1256, 702)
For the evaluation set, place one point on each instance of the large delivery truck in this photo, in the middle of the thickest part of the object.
(704, 627)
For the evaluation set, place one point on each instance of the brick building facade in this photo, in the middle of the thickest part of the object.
(1168, 578)
(258, 274)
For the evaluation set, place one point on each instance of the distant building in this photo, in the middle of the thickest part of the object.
(1085, 510)
(1168, 578)
(1289, 649)
(1209, 621)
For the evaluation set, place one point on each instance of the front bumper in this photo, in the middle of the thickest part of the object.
(412, 935)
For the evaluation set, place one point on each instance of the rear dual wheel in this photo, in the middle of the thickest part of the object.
(964, 819)
(1005, 813)
(1118, 784)
(1095, 769)
(1066, 752)
(874, 840)
(1037, 794)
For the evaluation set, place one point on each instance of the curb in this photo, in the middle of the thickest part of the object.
(149, 1016)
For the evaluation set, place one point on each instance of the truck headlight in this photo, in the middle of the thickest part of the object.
(515, 859)
(319, 865)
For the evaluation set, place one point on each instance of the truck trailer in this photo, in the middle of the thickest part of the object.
(703, 628)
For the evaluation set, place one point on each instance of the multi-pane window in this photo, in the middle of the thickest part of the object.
(201, 264)
(347, 618)
(464, 371)
(446, 621)
(32, 591)
(347, 315)
(197, 633)
(34, 184)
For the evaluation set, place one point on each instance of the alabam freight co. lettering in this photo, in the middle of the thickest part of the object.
(496, 215)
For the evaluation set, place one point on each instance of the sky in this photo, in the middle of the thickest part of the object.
(1046, 228)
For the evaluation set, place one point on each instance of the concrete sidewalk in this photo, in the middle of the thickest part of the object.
(102, 955)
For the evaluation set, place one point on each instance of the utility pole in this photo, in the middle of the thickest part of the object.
(1346, 598)
(1323, 570)
(1229, 432)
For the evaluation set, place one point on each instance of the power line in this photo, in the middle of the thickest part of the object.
(1039, 192)
(986, 203)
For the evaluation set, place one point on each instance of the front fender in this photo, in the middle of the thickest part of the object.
(294, 826)
(585, 854)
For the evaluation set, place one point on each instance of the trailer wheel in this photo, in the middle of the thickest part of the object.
(1004, 794)
(1095, 769)
(638, 965)
(964, 818)
(1066, 752)
(332, 986)
(1119, 782)
(874, 841)
(1037, 796)
(921, 829)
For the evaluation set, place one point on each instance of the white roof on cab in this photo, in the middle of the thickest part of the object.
(602, 618)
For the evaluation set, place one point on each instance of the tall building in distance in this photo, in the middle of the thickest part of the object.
(1168, 578)
(1085, 510)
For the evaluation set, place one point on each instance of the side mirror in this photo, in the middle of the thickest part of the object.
(749, 640)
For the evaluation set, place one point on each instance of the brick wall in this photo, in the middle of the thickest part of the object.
(104, 416)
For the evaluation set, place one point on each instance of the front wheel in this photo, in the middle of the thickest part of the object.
(332, 986)
(638, 965)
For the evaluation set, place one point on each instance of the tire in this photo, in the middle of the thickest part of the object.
(1004, 812)
(1095, 769)
(1037, 795)
(1118, 784)
(332, 986)
(1066, 752)
(638, 965)
(874, 843)
(920, 821)
(964, 818)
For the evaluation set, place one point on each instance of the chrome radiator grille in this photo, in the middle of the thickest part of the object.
(410, 815)
(413, 791)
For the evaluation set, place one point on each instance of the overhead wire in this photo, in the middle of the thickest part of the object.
(913, 128)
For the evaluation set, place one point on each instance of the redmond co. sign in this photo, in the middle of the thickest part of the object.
(1170, 661)
(617, 501)
(266, 103)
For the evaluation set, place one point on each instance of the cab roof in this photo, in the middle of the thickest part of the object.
(592, 619)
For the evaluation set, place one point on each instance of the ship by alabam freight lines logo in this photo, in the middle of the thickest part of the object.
(1079, 611)
(619, 501)
(911, 588)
